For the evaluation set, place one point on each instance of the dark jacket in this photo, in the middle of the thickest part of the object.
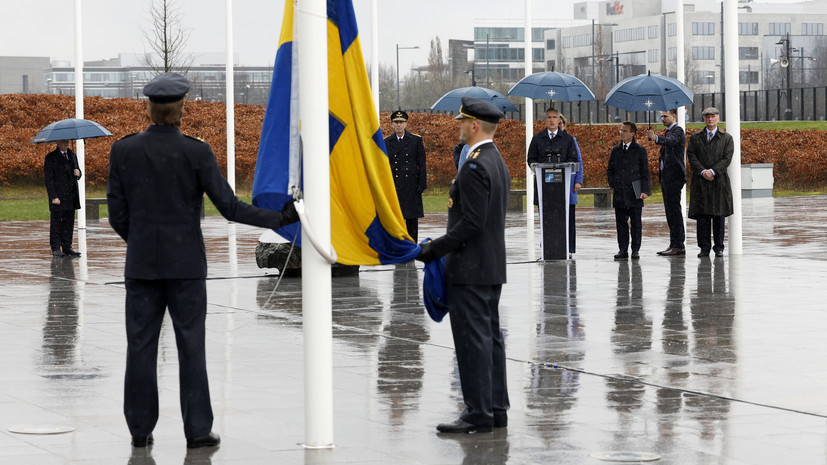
(157, 181)
(673, 156)
(624, 168)
(475, 240)
(61, 182)
(407, 159)
(714, 197)
(541, 147)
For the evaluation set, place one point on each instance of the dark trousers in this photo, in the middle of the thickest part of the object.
(623, 217)
(413, 228)
(146, 301)
(674, 216)
(717, 226)
(480, 348)
(572, 229)
(61, 229)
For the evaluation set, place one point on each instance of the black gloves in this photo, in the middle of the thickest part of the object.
(426, 254)
(288, 213)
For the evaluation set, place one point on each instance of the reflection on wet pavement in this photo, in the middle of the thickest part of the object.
(698, 360)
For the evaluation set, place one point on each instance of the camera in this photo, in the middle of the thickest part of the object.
(554, 155)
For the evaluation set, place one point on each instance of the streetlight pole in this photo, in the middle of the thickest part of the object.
(593, 74)
(398, 105)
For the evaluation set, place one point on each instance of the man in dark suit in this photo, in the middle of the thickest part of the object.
(551, 145)
(628, 175)
(61, 172)
(157, 181)
(672, 166)
(474, 250)
(406, 154)
(710, 152)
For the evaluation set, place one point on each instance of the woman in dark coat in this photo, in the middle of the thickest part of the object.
(61, 172)
(628, 176)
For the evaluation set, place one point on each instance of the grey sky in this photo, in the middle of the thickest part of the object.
(114, 26)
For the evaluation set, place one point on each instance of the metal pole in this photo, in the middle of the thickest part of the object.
(80, 147)
(681, 76)
(398, 106)
(789, 110)
(529, 133)
(316, 288)
(593, 72)
(487, 55)
(230, 93)
(374, 52)
(733, 126)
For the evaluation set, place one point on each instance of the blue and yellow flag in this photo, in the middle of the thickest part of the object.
(366, 221)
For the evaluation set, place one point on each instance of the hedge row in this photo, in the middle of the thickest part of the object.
(799, 155)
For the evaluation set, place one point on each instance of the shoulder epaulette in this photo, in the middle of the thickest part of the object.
(128, 135)
(474, 154)
(196, 138)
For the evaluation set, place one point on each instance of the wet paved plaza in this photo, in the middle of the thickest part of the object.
(701, 361)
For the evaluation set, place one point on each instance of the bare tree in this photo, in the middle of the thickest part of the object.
(167, 39)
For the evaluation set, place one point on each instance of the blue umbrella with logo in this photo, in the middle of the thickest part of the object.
(453, 99)
(551, 85)
(70, 129)
(649, 92)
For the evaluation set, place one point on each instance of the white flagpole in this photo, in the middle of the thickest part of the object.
(529, 133)
(681, 76)
(230, 97)
(733, 121)
(311, 21)
(80, 146)
(374, 52)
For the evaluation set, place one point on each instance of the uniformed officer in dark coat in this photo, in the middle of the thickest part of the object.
(628, 175)
(672, 166)
(157, 181)
(710, 201)
(474, 250)
(406, 154)
(551, 145)
(61, 172)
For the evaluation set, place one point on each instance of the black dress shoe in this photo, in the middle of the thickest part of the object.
(500, 421)
(635, 255)
(703, 253)
(621, 255)
(719, 253)
(460, 426)
(665, 252)
(142, 441)
(70, 251)
(673, 251)
(210, 440)
(57, 253)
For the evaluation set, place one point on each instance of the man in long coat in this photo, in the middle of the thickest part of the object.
(406, 154)
(710, 195)
(628, 176)
(61, 172)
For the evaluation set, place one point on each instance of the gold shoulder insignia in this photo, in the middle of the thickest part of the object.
(417, 135)
(196, 138)
(474, 154)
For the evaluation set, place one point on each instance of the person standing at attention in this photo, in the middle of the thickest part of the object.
(628, 175)
(406, 154)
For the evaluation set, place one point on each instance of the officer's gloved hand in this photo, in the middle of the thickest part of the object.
(426, 254)
(289, 214)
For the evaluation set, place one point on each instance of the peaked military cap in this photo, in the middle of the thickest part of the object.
(480, 109)
(167, 88)
(399, 115)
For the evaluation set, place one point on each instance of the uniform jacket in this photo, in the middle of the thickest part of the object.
(710, 197)
(157, 181)
(539, 148)
(624, 168)
(673, 156)
(407, 159)
(474, 245)
(61, 182)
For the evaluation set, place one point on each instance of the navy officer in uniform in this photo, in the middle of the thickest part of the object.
(157, 181)
(406, 154)
(474, 250)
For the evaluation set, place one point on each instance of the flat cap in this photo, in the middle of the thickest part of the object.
(710, 111)
(399, 115)
(480, 109)
(167, 88)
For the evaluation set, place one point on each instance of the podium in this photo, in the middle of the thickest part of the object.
(554, 189)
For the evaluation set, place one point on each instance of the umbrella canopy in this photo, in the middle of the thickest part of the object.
(649, 92)
(453, 100)
(70, 129)
(552, 85)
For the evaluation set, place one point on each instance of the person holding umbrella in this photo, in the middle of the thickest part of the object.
(61, 172)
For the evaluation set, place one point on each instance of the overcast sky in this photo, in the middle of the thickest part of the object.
(46, 27)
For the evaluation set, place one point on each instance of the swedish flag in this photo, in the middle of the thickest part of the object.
(366, 220)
